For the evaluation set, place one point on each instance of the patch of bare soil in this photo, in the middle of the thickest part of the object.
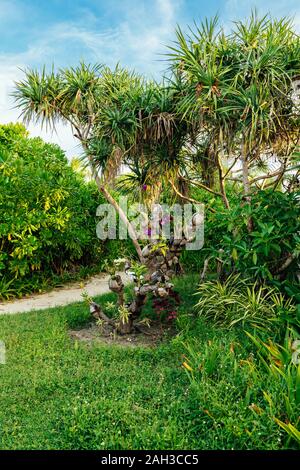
(147, 336)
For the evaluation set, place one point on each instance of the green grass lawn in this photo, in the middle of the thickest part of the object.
(59, 394)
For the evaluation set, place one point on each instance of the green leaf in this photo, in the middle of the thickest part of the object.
(234, 254)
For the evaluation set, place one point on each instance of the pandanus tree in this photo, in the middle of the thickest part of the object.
(83, 97)
(261, 99)
(138, 128)
(120, 120)
(238, 95)
(199, 62)
(146, 129)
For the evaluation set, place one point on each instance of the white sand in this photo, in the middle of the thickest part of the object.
(68, 294)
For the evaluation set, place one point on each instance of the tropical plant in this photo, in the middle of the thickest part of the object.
(237, 91)
(238, 302)
(271, 251)
(47, 213)
(119, 118)
(82, 97)
(282, 362)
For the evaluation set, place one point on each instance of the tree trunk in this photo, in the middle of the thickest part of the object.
(208, 168)
(126, 328)
(222, 184)
(124, 218)
(219, 149)
(110, 199)
(122, 215)
(246, 183)
(245, 173)
(223, 189)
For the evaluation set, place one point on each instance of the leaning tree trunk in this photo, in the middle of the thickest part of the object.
(245, 174)
(246, 183)
(161, 268)
(161, 265)
(222, 186)
(111, 200)
(220, 157)
(123, 217)
(132, 233)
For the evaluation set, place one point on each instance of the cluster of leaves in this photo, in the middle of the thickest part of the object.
(116, 114)
(167, 308)
(263, 252)
(237, 302)
(47, 212)
(282, 363)
(238, 86)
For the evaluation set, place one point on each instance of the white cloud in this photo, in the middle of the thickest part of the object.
(135, 42)
(167, 10)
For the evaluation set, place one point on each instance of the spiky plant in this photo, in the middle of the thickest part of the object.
(238, 88)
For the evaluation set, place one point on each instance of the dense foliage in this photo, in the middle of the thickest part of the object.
(271, 249)
(227, 111)
(236, 301)
(47, 214)
(221, 129)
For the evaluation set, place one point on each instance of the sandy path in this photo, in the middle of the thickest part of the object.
(68, 294)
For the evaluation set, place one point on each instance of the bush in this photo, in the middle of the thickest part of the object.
(262, 253)
(47, 213)
(236, 302)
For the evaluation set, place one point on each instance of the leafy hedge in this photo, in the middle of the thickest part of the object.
(47, 213)
(260, 254)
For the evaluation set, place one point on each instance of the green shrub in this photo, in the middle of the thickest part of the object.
(235, 301)
(260, 254)
(47, 214)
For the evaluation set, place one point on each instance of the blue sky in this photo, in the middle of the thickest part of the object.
(132, 32)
